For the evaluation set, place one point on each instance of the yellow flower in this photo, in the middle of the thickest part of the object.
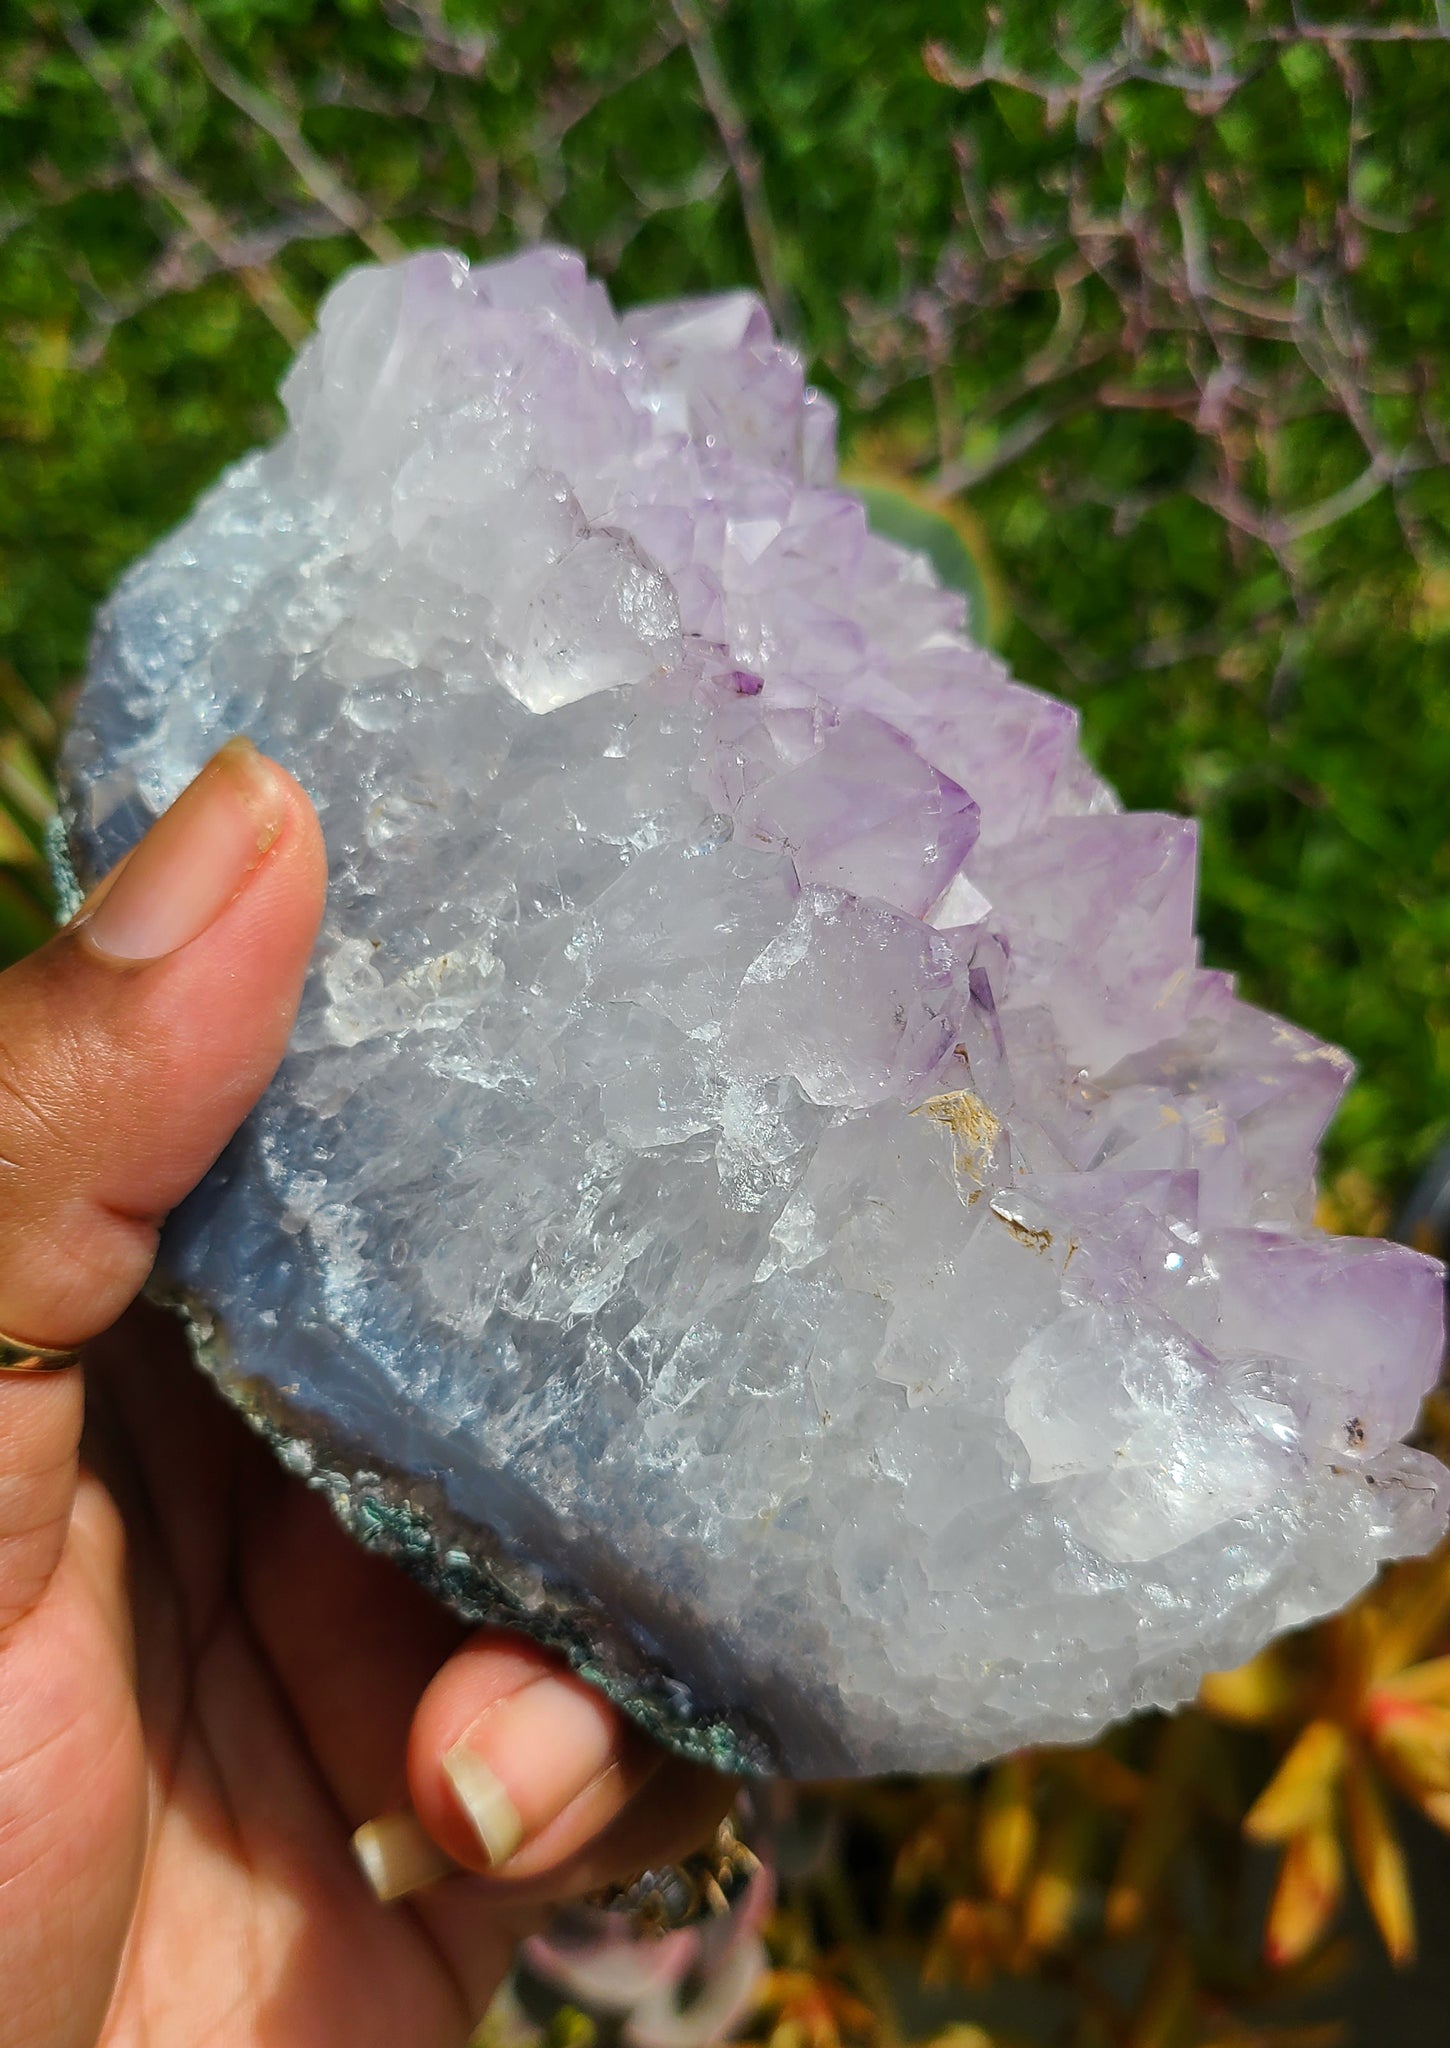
(1359, 1707)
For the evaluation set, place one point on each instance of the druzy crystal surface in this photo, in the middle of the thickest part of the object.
(760, 1160)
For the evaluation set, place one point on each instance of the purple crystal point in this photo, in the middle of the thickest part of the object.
(762, 1184)
(863, 812)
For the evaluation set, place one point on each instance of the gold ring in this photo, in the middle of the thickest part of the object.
(18, 1357)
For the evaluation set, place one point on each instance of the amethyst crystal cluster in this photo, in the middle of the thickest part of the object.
(763, 1192)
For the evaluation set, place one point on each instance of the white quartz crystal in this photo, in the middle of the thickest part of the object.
(758, 1133)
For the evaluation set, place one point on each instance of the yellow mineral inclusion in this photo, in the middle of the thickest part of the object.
(970, 1122)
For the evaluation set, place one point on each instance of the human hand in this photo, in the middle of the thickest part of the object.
(205, 1686)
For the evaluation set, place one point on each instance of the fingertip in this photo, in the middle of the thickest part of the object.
(302, 838)
(123, 1074)
(284, 901)
(515, 1764)
(200, 1031)
(397, 1858)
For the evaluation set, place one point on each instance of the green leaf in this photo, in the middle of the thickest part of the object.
(899, 518)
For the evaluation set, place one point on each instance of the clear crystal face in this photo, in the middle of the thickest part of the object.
(758, 1135)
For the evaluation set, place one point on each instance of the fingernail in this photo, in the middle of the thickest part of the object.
(397, 1857)
(192, 862)
(527, 1758)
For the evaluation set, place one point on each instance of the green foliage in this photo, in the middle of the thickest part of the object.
(916, 525)
(1156, 289)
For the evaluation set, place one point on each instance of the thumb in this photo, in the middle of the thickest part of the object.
(134, 1043)
(131, 1046)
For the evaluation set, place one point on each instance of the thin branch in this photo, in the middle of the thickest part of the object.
(1354, 32)
(724, 111)
(1314, 518)
(567, 109)
(318, 178)
(190, 206)
(966, 474)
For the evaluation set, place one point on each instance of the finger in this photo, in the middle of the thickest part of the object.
(507, 1745)
(675, 1813)
(130, 1048)
(133, 1044)
(674, 1810)
(520, 1770)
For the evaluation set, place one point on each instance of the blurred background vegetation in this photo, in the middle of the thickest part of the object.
(1153, 302)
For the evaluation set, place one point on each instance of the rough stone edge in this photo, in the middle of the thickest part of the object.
(410, 1521)
(69, 892)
